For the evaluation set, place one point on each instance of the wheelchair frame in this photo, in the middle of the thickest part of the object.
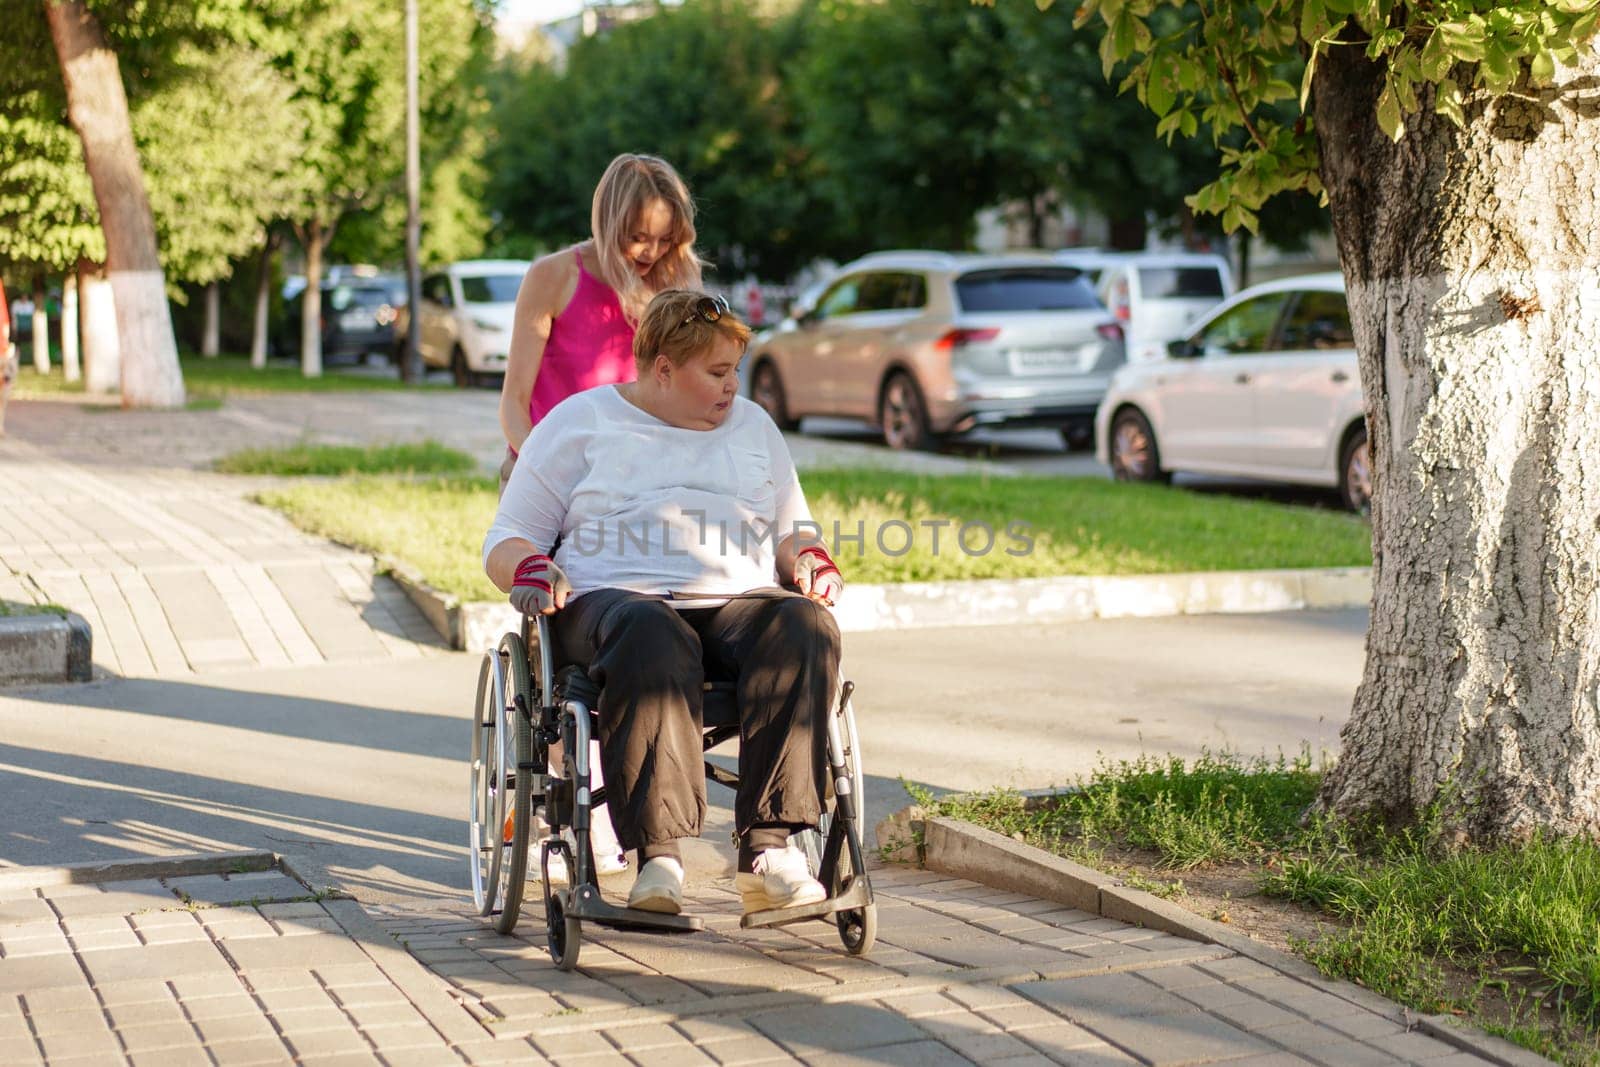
(520, 713)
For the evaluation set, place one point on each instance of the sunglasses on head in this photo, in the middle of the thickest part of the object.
(708, 309)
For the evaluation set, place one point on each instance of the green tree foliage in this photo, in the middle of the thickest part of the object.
(1220, 67)
(697, 85)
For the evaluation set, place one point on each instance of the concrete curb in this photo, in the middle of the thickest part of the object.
(477, 625)
(963, 850)
(181, 866)
(45, 648)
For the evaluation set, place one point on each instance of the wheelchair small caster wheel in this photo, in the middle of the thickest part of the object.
(565, 932)
(858, 929)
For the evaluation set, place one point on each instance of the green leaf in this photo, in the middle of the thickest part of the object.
(1189, 125)
(1161, 89)
(1447, 102)
(1313, 20)
(1436, 57)
(1543, 68)
(1463, 40)
(1499, 69)
(1389, 114)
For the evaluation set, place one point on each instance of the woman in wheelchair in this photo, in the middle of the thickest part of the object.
(658, 489)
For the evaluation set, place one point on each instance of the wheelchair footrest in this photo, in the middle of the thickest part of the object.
(587, 904)
(859, 895)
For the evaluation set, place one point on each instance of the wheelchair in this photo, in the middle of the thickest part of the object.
(524, 707)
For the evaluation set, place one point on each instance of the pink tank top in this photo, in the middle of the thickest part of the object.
(591, 343)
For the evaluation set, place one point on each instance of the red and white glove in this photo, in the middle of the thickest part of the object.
(816, 575)
(540, 586)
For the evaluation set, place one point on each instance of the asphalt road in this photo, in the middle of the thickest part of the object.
(359, 773)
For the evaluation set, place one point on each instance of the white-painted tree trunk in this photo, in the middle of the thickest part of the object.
(98, 109)
(1472, 259)
(211, 331)
(70, 367)
(311, 304)
(258, 331)
(102, 354)
(41, 330)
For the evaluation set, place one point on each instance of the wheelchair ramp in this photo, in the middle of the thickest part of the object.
(962, 974)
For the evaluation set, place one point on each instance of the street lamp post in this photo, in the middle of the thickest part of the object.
(411, 367)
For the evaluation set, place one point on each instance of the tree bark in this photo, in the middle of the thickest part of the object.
(258, 332)
(311, 301)
(69, 329)
(41, 328)
(1471, 258)
(97, 311)
(98, 109)
(211, 331)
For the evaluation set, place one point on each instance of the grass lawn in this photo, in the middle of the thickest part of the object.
(421, 457)
(13, 609)
(1508, 937)
(1077, 526)
(212, 380)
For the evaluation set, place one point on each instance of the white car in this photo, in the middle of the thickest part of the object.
(1158, 296)
(1265, 387)
(466, 315)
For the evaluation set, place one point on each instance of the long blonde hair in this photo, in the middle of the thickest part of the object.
(627, 187)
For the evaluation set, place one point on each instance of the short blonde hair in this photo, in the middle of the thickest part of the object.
(663, 331)
(626, 188)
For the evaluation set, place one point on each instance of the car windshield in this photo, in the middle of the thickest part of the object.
(1180, 283)
(490, 288)
(1025, 289)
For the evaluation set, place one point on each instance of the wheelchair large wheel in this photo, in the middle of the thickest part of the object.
(811, 842)
(488, 786)
(517, 703)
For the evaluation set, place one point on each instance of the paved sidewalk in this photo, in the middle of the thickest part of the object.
(178, 573)
(246, 969)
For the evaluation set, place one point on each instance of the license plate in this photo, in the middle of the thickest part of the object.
(1045, 361)
(356, 320)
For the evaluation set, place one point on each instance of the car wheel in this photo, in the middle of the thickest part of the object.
(902, 414)
(766, 389)
(1355, 473)
(1134, 454)
(458, 368)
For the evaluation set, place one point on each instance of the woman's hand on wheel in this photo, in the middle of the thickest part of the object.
(817, 576)
(540, 586)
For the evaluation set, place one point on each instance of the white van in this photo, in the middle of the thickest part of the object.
(1157, 296)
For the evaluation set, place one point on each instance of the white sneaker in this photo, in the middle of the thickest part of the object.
(659, 887)
(781, 880)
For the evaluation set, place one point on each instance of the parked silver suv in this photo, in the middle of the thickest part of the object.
(930, 343)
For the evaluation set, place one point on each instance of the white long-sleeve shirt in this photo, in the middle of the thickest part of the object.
(640, 504)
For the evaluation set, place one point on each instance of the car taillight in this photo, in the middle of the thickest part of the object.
(957, 338)
(1111, 331)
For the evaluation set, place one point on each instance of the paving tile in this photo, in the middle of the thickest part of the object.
(255, 887)
(1059, 1037)
(987, 1048)
(48, 1023)
(136, 991)
(432, 1057)
(325, 1042)
(71, 999)
(188, 1056)
(905, 1054)
(16, 910)
(297, 953)
(260, 1052)
(305, 1020)
(1348, 1054)
(23, 974)
(1416, 1047)
(191, 987)
(744, 1050)
(1363, 1027)
(98, 1043)
(1191, 1037)
(188, 959)
(159, 1036)
(835, 1028)
(1103, 996)
(235, 1028)
(22, 1051)
(155, 1013)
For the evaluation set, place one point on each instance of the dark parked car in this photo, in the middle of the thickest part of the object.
(358, 318)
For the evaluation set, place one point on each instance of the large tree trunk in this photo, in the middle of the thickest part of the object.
(1470, 256)
(41, 327)
(69, 329)
(311, 302)
(258, 330)
(98, 109)
(211, 329)
(97, 316)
